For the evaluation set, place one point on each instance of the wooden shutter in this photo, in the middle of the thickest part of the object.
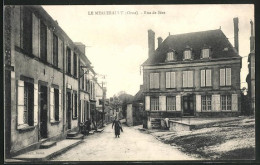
(60, 53)
(72, 62)
(147, 103)
(184, 78)
(222, 77)
(35, 36)
(49, 47)
(208, 77)
(234, 102)
(157, 80)
(52, 119)
(173, 84)
(162, 103)
(228, 76)
(168, 78)
(20, 103)
(178, 103)
(60, 104)
(217, 102)
(190, 79)
(202, 78)
(151, 80)
(198, 103)
(36, 104)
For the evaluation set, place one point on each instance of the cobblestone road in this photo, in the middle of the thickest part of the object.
(132, 145)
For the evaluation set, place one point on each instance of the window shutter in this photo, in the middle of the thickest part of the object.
(202, 78)
(217, 102)
(20, 105)
(156, 80)
(198, 103)
(190, 79)
(178, 103)
(72, 62)
(162, 103)
(228, 76)
(222, 77)
(184, 78)
(234, 102)
(147, 103)
(151, 80)
(35, 36)
(173, 85)
(60, 53)
(208, 77)
(73, 106)
(36, 104)
(60, 109)
(49, 47)
(52, 105)
(168, 76)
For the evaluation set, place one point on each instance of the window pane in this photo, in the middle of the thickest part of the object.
(208, 77)
(222, 77)
(43, 42)
(55, 50)
(56, 104)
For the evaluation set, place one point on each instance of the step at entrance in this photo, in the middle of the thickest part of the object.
(72, 134)
(47, 144)
(100, 130)
(78, 136)
(91, 132)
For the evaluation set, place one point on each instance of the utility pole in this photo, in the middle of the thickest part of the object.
(103, 103)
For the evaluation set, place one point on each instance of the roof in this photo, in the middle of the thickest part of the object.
(139, 96)
(213, 39)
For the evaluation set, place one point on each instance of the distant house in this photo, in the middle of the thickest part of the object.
(135, 111)
(192, 74)
(251, 67)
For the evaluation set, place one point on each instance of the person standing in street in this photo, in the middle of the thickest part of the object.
(118, 127)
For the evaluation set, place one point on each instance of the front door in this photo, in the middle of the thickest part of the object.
(188, 105)
(43, 112)
(68, 116)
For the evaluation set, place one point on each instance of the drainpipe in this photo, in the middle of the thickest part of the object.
(64, 99)
(79, 102)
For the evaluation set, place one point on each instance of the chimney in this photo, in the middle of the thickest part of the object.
(151, 42)
(159, 41)
(80, 46)
(252, 37)
(235, 20)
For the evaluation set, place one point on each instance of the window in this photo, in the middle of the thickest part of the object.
(171, 103)
(68, 60)
(205, 77)
(225, 77)
(187, 79)
(43, 41)
(154, 80)
(75, 105)
(170, 80)
(187, 54)
(75, 64)
(26, 30)
(170, 56)
(154, 103)
(55, 50)
(206, 103)
(28, 103)
(205, 53)
(226, 102)
(56, 104)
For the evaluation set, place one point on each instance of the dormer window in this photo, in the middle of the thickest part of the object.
(205, 53)
(187, 55)
(170, 56)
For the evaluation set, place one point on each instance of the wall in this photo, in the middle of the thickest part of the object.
(129, 115)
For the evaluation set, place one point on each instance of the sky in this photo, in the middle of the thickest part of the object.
(117, 39)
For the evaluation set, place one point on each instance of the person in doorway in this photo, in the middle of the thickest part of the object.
(118, 127)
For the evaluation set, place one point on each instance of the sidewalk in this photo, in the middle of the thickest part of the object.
(45, 154)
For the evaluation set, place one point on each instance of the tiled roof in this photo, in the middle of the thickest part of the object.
(214, 39)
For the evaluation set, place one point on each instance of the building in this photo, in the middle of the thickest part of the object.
(42, 98)
(251, 67)
(135, 114)
(192, 74)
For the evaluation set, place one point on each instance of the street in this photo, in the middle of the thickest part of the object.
(132, 145)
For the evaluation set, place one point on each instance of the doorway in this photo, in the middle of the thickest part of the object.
(68, 116)
(188, 105)
(43, 112)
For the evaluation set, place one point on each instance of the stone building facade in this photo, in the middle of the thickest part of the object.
(192, 74)
(43, 100)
